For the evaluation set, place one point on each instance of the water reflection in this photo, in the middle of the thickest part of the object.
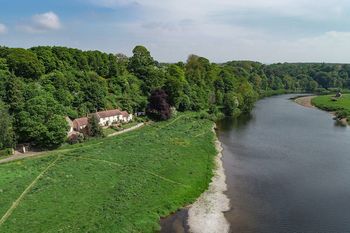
(237, 123)
(287, 169)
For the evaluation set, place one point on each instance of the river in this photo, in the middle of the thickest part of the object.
(287, 169)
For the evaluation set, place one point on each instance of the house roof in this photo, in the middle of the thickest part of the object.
(80, 122)
(108, 113)
(83, 121)
(125, 114)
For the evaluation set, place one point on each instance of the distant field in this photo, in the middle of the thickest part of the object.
(341, 106)
(116, 184)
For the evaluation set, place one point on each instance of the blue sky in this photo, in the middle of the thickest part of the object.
(262, 30)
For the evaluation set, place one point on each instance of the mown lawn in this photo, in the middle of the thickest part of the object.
(118, 184)
(341, 106)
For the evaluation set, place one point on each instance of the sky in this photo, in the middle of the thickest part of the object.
(267, 31)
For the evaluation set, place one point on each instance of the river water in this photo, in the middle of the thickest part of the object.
(287, 169)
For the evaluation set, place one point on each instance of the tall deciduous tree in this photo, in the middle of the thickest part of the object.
(93, 129)
(140, 60)
(42, 122)
(25, 63)
(158, 107)
(7, 135)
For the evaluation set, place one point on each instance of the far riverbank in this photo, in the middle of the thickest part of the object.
(306, 101)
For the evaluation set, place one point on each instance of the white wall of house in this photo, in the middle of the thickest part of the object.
(107, 121)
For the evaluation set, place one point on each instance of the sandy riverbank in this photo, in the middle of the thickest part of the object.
(206, 214)
(305, 101)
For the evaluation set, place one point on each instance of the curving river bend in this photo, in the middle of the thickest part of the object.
(287, 169)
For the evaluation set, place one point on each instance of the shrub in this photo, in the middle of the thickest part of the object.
(6, 152)
(342, 114)
(158, 107)
(76, 138)
(93, 129)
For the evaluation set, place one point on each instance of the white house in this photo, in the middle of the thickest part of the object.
(105, 118)
(126, 117)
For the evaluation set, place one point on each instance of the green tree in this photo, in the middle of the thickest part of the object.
(93, 129)
(24, 63)
(46, 57)
(7, 135)
(140, 60)
(14, 93)
(42, 122)
(174, 86)
(231, 104)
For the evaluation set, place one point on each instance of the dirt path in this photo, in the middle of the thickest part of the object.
(140, 169)
(18, 155)
(19, 199)
(126, 130)
(305, 101)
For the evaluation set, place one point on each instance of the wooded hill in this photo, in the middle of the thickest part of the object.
(41, 85)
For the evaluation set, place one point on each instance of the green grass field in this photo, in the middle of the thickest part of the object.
(117, 184)
(340, 106)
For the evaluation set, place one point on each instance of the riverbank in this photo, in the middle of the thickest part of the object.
(314, 102)
(121, 184)
(338, 106)
(305, 101)
(206, 215)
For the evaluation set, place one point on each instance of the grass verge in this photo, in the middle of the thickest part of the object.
(340, 106)
(116, 184)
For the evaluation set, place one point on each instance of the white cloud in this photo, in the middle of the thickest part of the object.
(48, 20)
(202, 8)
(3, 29)
(42, 22)
(161, 27)
(174, 29)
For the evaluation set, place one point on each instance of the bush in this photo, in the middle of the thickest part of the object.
(93, 129)
(76, 138)
(6, 152)
(342, 114)
(158, 107)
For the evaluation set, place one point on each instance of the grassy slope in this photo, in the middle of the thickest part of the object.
(325, 102)
(118, 184)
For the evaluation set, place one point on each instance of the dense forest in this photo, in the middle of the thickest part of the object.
(41, 85)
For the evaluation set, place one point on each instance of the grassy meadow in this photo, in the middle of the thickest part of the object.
(341, 106)
(117, 184)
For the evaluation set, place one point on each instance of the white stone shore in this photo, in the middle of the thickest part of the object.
(206, 215)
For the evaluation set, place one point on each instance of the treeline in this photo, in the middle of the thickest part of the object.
(41, 85)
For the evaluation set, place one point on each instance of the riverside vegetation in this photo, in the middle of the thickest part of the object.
(341, 106)
(41, 85)
(116, 184)
(124, 183)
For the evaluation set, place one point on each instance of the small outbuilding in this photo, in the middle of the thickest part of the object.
(80, 123)
(338, 94)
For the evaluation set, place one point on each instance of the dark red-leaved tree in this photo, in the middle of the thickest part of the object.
(158, 107)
